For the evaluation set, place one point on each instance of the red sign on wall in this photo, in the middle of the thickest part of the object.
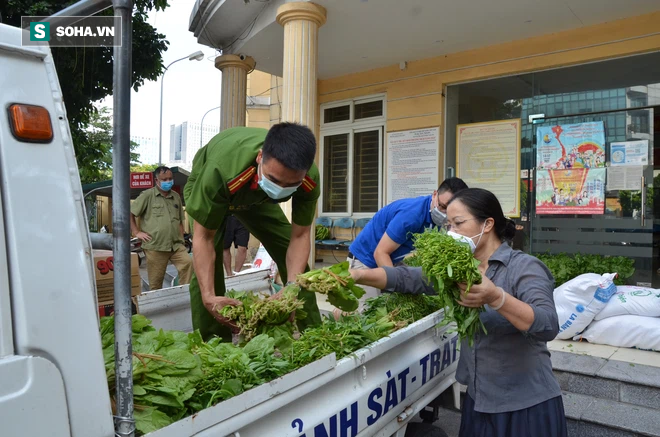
(142, 180)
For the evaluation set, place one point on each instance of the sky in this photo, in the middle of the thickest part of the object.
(191, 87)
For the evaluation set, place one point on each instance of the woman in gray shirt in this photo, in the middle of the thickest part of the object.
(511, 390)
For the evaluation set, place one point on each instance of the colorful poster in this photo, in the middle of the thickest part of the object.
(630, 153)
(488, 156)
(575, 191)
(569, 146)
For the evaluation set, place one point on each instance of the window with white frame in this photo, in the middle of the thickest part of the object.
(352, 156)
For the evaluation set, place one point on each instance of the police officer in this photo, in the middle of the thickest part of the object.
(247, 172)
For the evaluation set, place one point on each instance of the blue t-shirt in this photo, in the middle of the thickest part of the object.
(400, 219)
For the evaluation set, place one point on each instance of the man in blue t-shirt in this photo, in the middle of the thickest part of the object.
(387, 238)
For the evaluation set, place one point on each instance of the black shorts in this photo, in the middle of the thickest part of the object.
(235, 233)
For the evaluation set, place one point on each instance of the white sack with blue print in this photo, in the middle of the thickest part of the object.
(579, 300)
(632, 301)
(640, 332)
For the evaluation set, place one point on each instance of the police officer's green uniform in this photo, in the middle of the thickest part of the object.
(224, 180)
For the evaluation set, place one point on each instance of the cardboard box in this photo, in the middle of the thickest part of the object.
(105, 277)
(105, 290)
(109, 309)
(104, 264)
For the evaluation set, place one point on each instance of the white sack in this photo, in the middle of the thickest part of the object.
(629, 300)
(580, 299)
(625, 331)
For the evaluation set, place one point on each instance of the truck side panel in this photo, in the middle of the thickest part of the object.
(32, 399)
(48, 250)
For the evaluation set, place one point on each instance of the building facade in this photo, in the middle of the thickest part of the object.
(186, 139)
(147, 148)
(389, 87)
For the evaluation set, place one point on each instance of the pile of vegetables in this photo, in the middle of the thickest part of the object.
(176, 374)
(336, 282)
(257, 314)
(405, 307)
(447, 263)
(322, 232)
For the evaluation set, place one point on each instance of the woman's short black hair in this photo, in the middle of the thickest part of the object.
(292, 144)
(483, 204)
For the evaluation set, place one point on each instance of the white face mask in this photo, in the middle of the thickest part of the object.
(468, 240)
(438, 217)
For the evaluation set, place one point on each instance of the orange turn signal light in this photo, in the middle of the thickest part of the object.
(30, 123)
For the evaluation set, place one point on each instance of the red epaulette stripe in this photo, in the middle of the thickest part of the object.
(240, 180)
(308, 184)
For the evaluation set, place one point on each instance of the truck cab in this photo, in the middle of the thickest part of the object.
(51, 362)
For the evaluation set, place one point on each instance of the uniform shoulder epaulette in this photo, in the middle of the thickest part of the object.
(308, 184)
(239, 181)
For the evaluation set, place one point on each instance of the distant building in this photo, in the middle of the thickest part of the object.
(185, 141)
(147, 148)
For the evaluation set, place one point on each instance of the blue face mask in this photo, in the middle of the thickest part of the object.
(167, 185)
(273, 190)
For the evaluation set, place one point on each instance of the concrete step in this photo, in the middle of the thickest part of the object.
(612, 380)
(590, 416)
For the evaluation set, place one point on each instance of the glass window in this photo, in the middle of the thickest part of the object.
(366, 151)
(367, 110)
(339, 113)
(335, 173)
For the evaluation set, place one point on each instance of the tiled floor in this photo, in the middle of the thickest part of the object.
(609, 352)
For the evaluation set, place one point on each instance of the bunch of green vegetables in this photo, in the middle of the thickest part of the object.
(343, 336)
(412, 260)
(566, 267)
(165, 372)
(256, 314)
(409, 307)
(322, 232)
(177, 374)
(447, 263)
(230, 370)
(336, 282)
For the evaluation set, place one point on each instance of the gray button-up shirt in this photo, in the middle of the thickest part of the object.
(506, 369)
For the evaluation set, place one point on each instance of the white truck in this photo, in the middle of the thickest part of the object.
(51, 363)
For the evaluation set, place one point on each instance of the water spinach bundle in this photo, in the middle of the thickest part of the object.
(447, 263)
(336, 282)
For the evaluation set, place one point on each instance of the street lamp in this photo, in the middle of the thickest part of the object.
(197, 56)
(201, 125)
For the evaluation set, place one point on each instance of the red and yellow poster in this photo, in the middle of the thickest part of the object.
(575, 191)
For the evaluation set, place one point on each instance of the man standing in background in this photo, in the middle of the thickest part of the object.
(235, 233)
(161, 229)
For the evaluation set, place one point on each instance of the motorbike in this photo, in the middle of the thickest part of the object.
(136, 247)
(187, 241)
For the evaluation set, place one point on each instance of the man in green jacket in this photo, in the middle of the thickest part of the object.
(247, 172)
(161, 229)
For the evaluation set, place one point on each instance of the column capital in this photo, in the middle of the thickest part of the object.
(247, 63)
(307, 11)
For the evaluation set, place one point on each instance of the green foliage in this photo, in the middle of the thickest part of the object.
(322, 232)
(85, 73)
(144, 167)
(412, 261)
(341, 337)
(100, 138)
(336, 282)
(176, 374)
(447, 263)
(404, 307)
(566, 267)
(255, 314)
